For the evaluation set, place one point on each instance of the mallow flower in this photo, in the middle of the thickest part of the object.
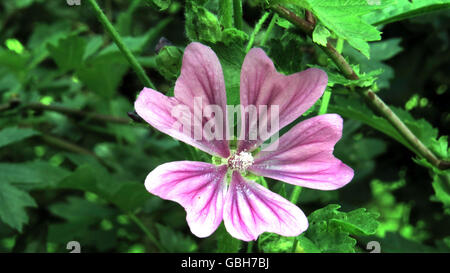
(209, 192)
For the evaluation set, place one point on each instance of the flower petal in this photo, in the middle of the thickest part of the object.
(199, 87)
(304, 155)
(199, 187)
(250, 209)
(262, 85)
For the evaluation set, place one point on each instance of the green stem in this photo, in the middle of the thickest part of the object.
(238, 20)
(378, 104)
(192, 152)
(339, 45)
(256, 30)
(147, 232)
(226, 13)
(325, 101)
(249, 247)
(77, 113)
(295, 194)
(294, 245)
(302, 24)
(264, 183)
(269, 29)
(71, 147)
(294, 198)
(121, 45)
(66, 145)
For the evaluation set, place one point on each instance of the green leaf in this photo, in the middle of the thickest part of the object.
(364, 79)
(380, 51)
(36, 174)
(320, 35)
(331, 241)
(68, 53)
(395, 243)
(13, 204)
(14, 134)
(161, 4)
(80, 210)
(80, 217)
(19, 4)
(175, 242)
(92, 46)
(274, 243)
(358, 222)
(233, 36)
(12, 61)
(393, 215)
(168, 62)
(440, 147)
(305, 245)
(201, 24)
(103, 77)
(125, 19)
(355, 109)
(127, 195)
(231, 58)
(441, 186)
(43, 35)
(405, 9)
(135, 44)
(287, 53)
(226, 243)
(343, 17)
(447, 241)
(329, 229)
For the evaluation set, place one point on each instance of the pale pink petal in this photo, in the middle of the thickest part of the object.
(262, 85)
(250, 209)
(200, 85)
(197, 186)
(304, 155)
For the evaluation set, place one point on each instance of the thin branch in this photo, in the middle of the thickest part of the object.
(66, 145)
(375, 101)
(325, 101)
(340, 61)
(77, 113)
(310, 17)
(147, 232)
(258, 27)
(302, 24)
(121, 45)
(226, 13)
(384, 110)
(237, 8)
(249, 247)
(64, 110)
(71, 147)
(9, 105)
(295, 194)
(269, 29)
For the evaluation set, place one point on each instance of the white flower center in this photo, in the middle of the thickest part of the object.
(240, 162)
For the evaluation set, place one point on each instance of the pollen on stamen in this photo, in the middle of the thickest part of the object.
(241, 161)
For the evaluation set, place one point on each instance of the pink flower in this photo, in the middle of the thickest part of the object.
(304, 155)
